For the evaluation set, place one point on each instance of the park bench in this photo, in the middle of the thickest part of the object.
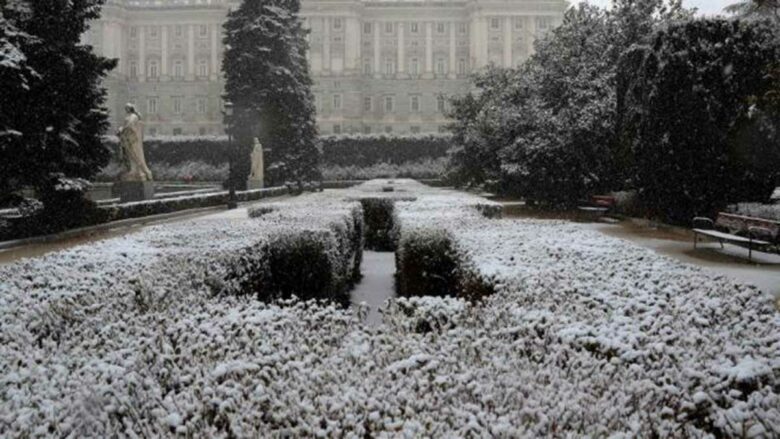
(598, 205)
(738, 229)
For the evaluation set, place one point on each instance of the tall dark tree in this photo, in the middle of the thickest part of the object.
(268, 81)
(52, 105)
(705, 135)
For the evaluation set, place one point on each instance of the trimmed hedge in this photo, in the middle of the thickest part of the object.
(428, 263)
(367, 150)
(309, 261)
(167, 205)
(381, 224)
(341, 150)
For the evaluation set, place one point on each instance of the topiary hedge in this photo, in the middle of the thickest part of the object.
(367, 150)
(174, 150)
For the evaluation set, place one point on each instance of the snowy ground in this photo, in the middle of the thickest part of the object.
(586, 335)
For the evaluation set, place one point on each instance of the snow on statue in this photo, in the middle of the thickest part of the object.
(131, 148)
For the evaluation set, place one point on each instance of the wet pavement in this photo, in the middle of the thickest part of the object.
(377, 284)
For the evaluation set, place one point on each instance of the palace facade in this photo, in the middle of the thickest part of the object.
(377, 65)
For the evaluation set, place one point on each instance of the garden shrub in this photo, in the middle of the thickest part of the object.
(426, 168)
(381, 223)
(361, 150)
(426, 264)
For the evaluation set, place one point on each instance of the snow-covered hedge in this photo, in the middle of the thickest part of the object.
(585, 335)
(426, 168)
(138, 209)
(364, 150)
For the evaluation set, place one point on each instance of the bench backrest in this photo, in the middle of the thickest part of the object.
(603, 200)
(739, 224)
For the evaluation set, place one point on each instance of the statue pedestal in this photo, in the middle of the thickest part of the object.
(254, 184)
(128, 191)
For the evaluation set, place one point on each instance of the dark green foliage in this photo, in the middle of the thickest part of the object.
(426, 264)
(702, 139)
(381, 224)
(367, 150)
(267, 79)
(180, 149)
(52, 106)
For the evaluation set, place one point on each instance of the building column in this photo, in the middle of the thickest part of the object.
(453, 71)
(215, 68)
(326, 23)
(141, 53)
(482, 42)
(190, 52)
(164, 51)
(352, 45)
(428, 49)
(530, 31)
(508, 42)
(401, 51)
(377, 51)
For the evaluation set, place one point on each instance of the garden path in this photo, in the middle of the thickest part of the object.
(377, 284)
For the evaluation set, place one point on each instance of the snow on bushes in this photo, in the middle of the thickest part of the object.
(585, 335)
(766, 211)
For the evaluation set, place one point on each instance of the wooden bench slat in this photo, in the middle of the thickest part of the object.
(728, 237)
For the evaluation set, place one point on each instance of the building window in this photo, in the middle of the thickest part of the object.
(414, 104)
(177, 131)
(154, 68)
(389, 66)
(337, 102)
(461, 28)
(389, 104)
(203, 68)
(201, 105)
(414, 129)
(336, 23)
(440, 104)
(388, 129)
(152, 132)
(151, 105)
(414, 66)
(441, 66)
(203, 30)
(414, 28)
(202, 131)
(133, 69)
(461, 66)
(366, 28)
(518, 23)
(388, 28)
(366, 129)
(154, 31)
(367, 104)
(178, 31)
(178, 68)
(440, 28)
(337, 128)
(366, 68)
(495, 24)
(177, 104)
(133, 32)
(543, 23)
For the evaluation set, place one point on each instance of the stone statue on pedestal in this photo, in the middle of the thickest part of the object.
(131, 148)
(135, 181)
(257, 172)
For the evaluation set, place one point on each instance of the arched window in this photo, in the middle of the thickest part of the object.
(178, 68)
(203, 68)
(154, 68)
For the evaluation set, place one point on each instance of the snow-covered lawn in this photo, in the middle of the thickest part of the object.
(585, 335)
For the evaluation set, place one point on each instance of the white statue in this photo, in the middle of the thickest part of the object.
(256, 173)
(131, 148)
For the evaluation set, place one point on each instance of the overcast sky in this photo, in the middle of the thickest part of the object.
(706, 7)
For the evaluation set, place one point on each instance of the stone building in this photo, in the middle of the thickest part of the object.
(378, 65)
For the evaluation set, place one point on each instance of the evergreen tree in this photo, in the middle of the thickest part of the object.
(268, 82)
(705, 135)
(52, 105)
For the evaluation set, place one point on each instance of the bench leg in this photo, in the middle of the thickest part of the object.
(695, 235)
(721, 243)
(750, 250)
